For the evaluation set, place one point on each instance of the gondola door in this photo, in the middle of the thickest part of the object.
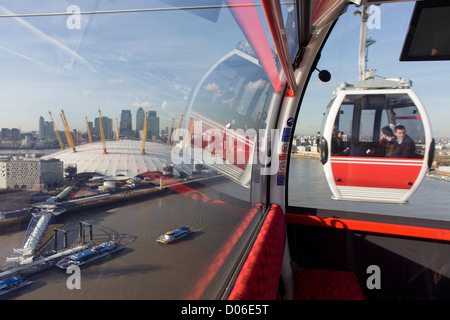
(376, 145)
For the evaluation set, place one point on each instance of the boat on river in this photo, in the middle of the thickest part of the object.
(173, 235)
(89, 255)
(12, 283)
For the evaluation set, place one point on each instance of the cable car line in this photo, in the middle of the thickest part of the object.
(48, 14)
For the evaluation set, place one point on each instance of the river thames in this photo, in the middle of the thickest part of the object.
(308, 188)
(145, 269)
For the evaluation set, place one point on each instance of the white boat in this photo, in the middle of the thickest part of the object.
(173, 235)
(11, 284)
(88, 255)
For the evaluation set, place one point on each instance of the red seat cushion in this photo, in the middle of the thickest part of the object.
(315, 284)
(260, 274)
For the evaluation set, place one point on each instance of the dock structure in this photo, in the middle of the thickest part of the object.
(42, 216)
(41, 264)
(36, 231)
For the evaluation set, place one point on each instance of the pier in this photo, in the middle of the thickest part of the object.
(40, 265)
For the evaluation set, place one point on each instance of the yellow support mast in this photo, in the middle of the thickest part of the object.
(65, 131)
(170, 132)
(101, 131)
(176, 134)
(186, 137)
(192, 130)
(68, 133)
(88, 130)
(61, 144)
(144, 133)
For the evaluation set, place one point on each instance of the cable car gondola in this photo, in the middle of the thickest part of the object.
(376, 143)
(227, 114)
(362, 164)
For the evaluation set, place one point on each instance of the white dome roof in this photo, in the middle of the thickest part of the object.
(123, 157)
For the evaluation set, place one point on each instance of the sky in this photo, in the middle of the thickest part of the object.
(154, 59)
(112, 62)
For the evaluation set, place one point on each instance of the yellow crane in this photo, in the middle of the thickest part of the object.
(61, 144)
(67, 130)
(144, 133)
(88, 130)
(102, 134)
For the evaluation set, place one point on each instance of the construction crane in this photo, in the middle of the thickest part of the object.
(102, 134)
(88, 130)
(144, 133)
(67, 130)
(61, 144)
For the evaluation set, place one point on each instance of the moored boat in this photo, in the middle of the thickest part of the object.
(88, 255)
(173, 235)
(11, 284)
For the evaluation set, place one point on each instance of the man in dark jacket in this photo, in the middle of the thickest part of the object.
(404, 146)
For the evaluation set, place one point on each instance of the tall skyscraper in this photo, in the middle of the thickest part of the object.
(152, 125)
(49, 130)
(46, 129)
(125, 127)
(107, 127)
(41, 128)
(140, 117)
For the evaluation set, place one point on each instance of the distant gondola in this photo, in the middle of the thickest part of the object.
(376, 143)
(362, 166)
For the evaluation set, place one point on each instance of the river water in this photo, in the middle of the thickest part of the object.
(148, 270)
(145, 269)
(308, 188)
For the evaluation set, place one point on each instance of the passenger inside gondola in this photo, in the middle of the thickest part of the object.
(404, 146)
(338, 148)
(385, 147)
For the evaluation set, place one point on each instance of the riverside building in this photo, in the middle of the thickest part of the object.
(30, 174)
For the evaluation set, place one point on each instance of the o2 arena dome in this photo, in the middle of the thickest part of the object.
(122, 158)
